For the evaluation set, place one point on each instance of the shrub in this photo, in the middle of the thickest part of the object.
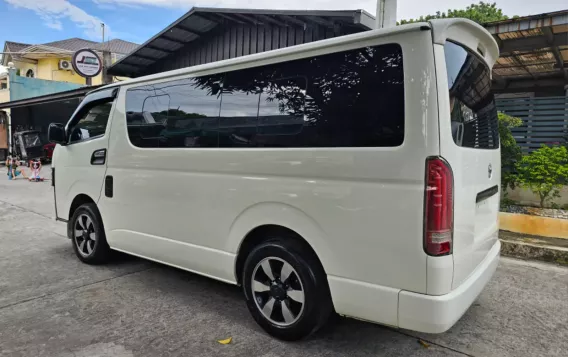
(506, 202)
(544, 171)
(510, 151)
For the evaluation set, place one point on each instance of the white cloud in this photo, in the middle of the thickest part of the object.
(369, 5)
(54, 24)
(53, 11)
(406, 8)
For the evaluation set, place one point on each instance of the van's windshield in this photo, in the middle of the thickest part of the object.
(473, 111)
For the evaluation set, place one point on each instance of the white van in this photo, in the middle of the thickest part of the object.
(358, 175)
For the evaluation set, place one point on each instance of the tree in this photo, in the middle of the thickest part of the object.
(481, 13)
(544, 172)
(510, 151)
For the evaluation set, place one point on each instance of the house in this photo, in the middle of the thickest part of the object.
(51, 61)
(45, 71)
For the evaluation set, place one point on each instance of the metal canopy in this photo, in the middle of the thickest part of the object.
(199, 21)
(48, 98)
(534, 52)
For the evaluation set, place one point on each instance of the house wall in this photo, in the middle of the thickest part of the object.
(22, 87)
(48, 69)
(525, 197)
(4, 95)
(25, 66)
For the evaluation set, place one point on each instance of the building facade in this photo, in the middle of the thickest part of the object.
(35, 71)
(205, 35)
(51, 61)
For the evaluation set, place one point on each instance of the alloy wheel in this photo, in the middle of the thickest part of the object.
(278, 291)
(84, 235)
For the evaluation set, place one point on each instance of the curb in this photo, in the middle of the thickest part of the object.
(534, 225)
(557, 255)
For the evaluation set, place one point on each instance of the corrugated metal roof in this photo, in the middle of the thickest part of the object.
(532, 48)
(116, 46)
(198, 21)
(71, 44)
(10, 46)
(15, 46)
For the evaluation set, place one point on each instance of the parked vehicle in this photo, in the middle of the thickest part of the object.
(358, 174)
(48, 151)
(28, 145)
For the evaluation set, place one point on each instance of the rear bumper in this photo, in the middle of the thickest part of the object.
(436, 314)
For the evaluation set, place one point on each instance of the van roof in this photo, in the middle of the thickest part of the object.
(440, 29)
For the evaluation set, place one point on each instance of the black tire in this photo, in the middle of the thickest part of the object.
(317, 305)
(91, 253)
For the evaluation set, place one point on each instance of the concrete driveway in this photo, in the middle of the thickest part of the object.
(53, 305)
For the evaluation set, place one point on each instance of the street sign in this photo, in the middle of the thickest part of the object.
(86, 63)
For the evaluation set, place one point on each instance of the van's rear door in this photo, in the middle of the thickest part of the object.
(469, 141)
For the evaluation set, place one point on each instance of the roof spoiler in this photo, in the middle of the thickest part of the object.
(469, 34)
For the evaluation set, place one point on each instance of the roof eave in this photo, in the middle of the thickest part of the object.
(271, 55)
(359, 18)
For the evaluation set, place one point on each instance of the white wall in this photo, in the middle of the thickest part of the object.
(527, 198)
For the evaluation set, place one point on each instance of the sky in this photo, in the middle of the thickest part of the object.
(41, 21)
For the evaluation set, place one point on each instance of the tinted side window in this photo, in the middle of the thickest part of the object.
(281, 112)
(239, 111)
(181, 113)
(92, 124)
(346, 99)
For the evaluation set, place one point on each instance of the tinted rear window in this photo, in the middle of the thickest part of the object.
(473, 111)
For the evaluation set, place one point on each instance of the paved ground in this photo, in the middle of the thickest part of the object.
(52, 305)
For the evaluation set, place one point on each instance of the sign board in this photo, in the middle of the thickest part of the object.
(86, 63)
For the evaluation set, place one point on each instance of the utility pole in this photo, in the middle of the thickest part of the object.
(386, 13)
(107, 59)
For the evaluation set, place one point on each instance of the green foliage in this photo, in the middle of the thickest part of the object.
(510, 151)
(481, 13)
(544, 172)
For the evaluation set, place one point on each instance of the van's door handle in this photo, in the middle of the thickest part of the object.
(98, 157)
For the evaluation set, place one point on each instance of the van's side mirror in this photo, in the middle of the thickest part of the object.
(56, 133)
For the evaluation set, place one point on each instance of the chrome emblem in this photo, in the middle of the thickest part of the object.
(490, 171)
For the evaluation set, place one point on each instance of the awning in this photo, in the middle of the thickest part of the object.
(48, 98)
(196, 23)
(534, 52)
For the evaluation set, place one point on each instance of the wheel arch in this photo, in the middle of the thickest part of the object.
(79, 200)
(263, 220)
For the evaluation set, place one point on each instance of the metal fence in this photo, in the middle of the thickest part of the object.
(545, 120)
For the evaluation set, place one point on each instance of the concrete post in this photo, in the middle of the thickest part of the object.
(107, 62)
(386, 13)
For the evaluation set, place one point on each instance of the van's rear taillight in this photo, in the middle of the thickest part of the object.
(438, 207)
